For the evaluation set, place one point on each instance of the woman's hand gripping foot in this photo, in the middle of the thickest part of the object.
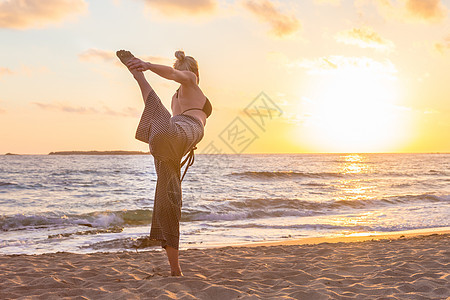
(127, 58)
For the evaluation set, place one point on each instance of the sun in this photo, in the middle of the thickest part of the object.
(353, 110)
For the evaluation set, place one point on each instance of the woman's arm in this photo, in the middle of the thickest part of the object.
(182, 77)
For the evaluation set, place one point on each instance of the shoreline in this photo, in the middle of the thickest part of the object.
(351, 238)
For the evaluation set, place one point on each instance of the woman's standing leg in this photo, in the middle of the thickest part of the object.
(172, 255)
(167, 211)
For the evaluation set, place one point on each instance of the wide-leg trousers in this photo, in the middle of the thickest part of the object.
(169, 138)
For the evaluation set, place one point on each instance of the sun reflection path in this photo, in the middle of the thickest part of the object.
(354, 190)
(354, 164)
(351, 189)
(362, 220)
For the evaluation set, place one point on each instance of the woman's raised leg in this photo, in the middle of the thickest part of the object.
(145, 87)
(143, 84)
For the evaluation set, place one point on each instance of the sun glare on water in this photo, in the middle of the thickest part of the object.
(353, 111)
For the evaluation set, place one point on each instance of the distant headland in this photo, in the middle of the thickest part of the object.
(117, 152)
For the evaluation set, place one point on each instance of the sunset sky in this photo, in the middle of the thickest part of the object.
(345, 75)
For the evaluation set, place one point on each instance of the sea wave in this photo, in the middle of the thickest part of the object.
(279, 207)
(123, 244)
(16, 186)
(437, 172)
(86, 232)
(227, 210)
(285, 174)
(103, 219)
(323, 175)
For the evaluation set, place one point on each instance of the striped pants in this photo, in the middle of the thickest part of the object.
(170, 138)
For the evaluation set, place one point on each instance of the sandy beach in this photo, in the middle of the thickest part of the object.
(386, 267)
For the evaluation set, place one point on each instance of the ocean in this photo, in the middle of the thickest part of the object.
(90, 203)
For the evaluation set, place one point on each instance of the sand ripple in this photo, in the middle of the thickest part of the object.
(407, 268)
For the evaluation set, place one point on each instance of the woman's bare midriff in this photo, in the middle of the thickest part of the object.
(199, 114)
(177, 110)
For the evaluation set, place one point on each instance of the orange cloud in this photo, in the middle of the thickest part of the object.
(336, 63)
(24, 70)
(443, 46)
(66, 108)
(22, 14)
(282, 24)
(94, 54)
(5, 71)
(126, 112)
(330, 2)
(365, 38)
(431, 10)
(32, 70)
(409, 10)
(2, 111)
(97, 55)
(183, 7)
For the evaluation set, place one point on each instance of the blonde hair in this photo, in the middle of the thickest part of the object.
(186, 63)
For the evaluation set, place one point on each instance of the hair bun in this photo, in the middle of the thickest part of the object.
(180, 55)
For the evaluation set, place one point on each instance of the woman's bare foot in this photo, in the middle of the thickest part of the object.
(176, 273)
(125, 56)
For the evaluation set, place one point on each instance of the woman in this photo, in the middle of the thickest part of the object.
(170, 138)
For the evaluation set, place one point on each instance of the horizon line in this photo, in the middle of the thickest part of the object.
(138, 152)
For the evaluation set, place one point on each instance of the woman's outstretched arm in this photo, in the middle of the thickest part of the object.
(182, 77)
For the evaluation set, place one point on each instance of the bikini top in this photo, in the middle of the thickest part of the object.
(207, 107)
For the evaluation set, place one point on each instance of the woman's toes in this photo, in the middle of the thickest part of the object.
(124, 56)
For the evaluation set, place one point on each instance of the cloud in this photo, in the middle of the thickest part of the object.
(5, 71)
(183, 7)
(282, 24)
(2, 111)
(24, 70)
(365, 38)
(93, 54)
(98, 55)
(443, 46)
(335, 64)
(32, 70)
(428, 11)
(66, 108)
(329, 2)
(22, 14)
(126, 112)
(431, 10)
